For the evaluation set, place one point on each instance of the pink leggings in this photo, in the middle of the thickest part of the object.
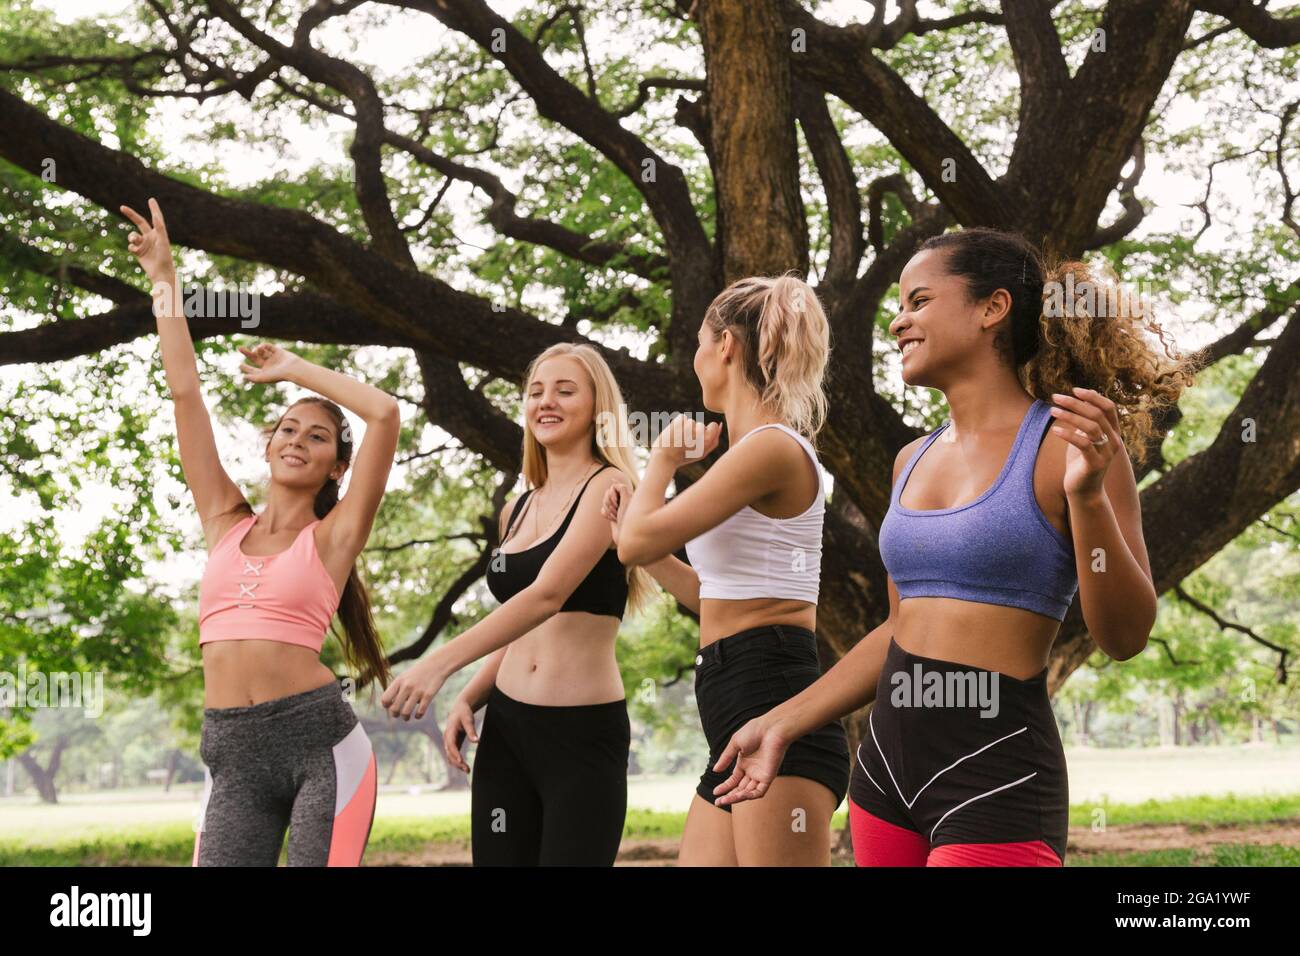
(878, 843)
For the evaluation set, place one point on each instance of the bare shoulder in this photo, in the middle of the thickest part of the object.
(506, 510)
(768, 458)
(770, 446)
(220, 525)
(905, 454)
(1051, 459)
(603, 480)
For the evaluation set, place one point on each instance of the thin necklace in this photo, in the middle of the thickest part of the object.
(536, 514)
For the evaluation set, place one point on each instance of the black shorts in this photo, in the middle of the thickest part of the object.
(745, 675)
(963, 755)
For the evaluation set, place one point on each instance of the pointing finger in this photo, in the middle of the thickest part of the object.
(134, 216)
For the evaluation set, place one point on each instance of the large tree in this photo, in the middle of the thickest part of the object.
(624, 198)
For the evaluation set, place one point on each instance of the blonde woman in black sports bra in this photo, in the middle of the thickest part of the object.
(549, 781)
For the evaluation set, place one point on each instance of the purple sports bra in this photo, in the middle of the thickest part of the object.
(998, 549)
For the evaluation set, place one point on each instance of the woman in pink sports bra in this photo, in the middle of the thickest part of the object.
(281, 746)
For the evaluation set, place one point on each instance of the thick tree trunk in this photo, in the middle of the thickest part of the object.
(761, 220)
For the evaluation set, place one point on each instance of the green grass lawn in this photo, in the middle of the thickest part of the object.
(1223, 855)
(1202, 811)
(171, 844)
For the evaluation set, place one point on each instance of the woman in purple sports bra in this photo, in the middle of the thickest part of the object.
(996, 520)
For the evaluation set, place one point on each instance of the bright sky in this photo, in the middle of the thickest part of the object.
(409, 36)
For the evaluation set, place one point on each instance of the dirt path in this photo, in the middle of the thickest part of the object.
(1178, 836)
(1118, 839)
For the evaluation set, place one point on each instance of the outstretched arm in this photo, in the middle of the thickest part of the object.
(759, 747)
(584, 541)
(848, 686)
(214, 493)
(653, 529)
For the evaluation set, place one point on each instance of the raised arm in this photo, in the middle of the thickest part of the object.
(215, 495)
(345, 530)
(653, 529)
(1116, 593)
(674, 575)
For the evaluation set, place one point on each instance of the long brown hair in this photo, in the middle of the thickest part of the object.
(362, 647)
(1112, 349)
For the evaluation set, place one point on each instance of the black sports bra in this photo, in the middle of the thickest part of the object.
(602, 591)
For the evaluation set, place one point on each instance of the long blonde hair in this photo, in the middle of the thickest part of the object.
(786, 343)
(608, 441)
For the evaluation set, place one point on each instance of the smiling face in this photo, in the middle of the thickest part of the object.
(559, 406)
(939, 328)
(304, 449)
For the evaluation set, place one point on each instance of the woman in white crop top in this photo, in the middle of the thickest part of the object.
(752, 528)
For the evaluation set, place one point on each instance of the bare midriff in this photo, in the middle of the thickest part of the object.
(566, 661)
(242, 673)
(1009, 640)
(721, 618)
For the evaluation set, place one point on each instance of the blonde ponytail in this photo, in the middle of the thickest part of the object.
(786, 343)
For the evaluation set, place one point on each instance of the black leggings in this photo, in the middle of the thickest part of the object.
(549, 784)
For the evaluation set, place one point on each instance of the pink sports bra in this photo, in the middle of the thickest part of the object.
(287, 597)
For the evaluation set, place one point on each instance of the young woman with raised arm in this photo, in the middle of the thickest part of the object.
(752, 527)
(281, 747)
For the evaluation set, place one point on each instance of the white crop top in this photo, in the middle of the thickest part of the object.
(753, 556)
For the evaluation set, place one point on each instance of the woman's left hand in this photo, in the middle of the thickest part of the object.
(268, 363)
(1089, 422)
(413, 691)
(685, 439)
(757, 749)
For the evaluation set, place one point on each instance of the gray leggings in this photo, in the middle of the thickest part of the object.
(302, 762)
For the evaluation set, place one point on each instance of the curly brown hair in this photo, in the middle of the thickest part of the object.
(1071, 324)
